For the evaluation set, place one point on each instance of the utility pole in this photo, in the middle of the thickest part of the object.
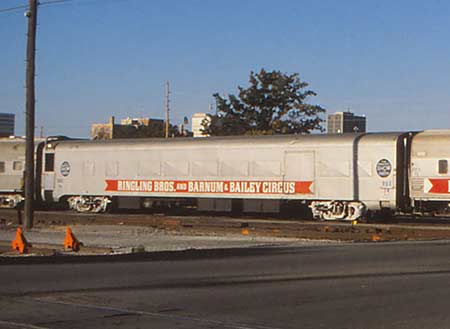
(30, 103)
(166, 130)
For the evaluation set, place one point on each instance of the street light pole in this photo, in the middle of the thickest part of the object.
(30, 105)
(166, 123)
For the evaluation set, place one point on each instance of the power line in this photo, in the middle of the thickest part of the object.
(5, 10)
(51, 2)
(78, 2)
(44, 3)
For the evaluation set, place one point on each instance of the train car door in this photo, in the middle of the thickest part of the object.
(48, 178)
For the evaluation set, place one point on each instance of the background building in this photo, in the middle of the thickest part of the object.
(128, 128)
(196, 124)
(345, 122)
(6, 124)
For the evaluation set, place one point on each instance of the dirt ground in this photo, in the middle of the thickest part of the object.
(205, 231)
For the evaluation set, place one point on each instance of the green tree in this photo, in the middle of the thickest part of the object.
(274, 103)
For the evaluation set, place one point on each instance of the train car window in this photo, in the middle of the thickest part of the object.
(112, 169)
(146, 168)
(50, 162)
(88, 168)
(2, 166)
(234, 168)
(266, 168)
(175, 168)
(204, 168)
(443, 166)
(18, 165)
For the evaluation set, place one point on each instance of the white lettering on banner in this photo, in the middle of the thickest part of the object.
(213, 187)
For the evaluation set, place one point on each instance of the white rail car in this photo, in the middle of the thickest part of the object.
(337, 176)
(340, 176)
(429, 184)
(12, 162)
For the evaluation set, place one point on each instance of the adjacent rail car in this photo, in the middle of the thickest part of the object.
(429, 184)
(12, 162)
(12, 166)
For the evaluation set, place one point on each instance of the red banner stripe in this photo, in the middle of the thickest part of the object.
(111, 185)
(209, 187)
(438, 186)
(303, 187)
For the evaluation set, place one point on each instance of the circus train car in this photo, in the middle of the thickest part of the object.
(12, 162)
(429, 171)
(339, 176)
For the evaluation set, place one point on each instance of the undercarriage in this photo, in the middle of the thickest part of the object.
(89, 204)
(337, 210)
(10, 200)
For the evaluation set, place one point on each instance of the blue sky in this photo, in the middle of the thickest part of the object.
(389, 60)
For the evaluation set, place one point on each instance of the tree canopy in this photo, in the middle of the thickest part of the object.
(274, 103)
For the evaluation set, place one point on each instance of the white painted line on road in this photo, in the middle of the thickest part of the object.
(159, 315)
(21, 325)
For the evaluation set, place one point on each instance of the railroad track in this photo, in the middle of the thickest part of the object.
(380, 229)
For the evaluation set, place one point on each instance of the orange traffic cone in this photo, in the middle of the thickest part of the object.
(71, 242)
(20, 243)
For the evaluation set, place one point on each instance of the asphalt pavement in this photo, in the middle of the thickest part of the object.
(375, 285)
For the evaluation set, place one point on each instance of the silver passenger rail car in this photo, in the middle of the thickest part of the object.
(341, 177)
(12, 162)
(430, 175)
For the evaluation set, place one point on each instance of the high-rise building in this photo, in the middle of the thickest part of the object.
(346, 122)
(6, 124)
